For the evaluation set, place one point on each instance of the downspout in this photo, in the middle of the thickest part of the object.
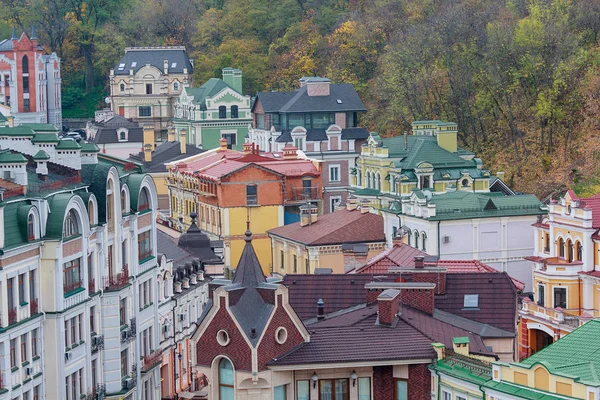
(175, 352)
(438, 238)
(47, 100)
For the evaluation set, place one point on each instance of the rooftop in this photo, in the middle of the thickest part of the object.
(137, 57)
(341, 226)
(165, 152)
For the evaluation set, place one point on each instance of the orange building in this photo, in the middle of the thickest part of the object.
(226, 187)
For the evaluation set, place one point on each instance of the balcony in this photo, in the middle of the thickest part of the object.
(117, 282)
(303, 194)
(33, 307)
(556, 316)
(152, 360)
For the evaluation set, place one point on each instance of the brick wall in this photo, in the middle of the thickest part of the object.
(523, 339)
(439, 278)
(233, 193)
(318, 89)
(72, 247)
(268, 347)
(340, 119)
(388, 309)
(383, 383)
(420, 299)
(419, 382)
(237, 350)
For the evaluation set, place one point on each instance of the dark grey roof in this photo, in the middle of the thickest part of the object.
(6, 44)
(182, 255)
(248, 272)
(164, 153)
(118, 121)
(318, 135)
(483, 330)
(109, 135)
(197, 243)
(155, 57)
(272, 101)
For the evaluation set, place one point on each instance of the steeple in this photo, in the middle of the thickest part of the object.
(248, 272)
(14, 33)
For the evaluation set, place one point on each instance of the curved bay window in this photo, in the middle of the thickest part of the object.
(226, 390)
(71, 227)
(144, 200)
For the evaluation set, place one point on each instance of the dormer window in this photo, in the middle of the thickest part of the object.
(122, 134)
(176, 86)
(71, 227)
(31, 227)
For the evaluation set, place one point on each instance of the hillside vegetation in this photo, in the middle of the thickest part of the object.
(520, 77)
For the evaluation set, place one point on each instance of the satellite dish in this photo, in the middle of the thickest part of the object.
(107, 100)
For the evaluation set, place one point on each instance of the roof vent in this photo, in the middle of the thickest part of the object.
(320, 309)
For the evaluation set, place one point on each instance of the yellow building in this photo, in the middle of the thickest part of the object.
(342, 240)
(566, 273)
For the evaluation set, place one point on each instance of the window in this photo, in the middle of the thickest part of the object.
(225, 380)
(93, 319)
(561, 247)
(144, 200)
(364, 388)
(145, 111)
(259, 121)
(425, 180)
(32, 295)
(34, 348)
(251, 195)
(26, 103)
(460, 398)
(222, 112)
(569, 250)
(333, 389)
(295, 120)
(578, 251)
(71, 275)
(295, 264)
(471, 301)
(124, 363)
(547, 243)
(282, 260)
(13, 353)
(148, 88)
(122, 87)
(30, 227)
(71, 227)
(280, 392)
(121, 66)
(333, 202)
(541, 295)
(231, 139)
(416, 240)
(23, 348)
(401, 390)
(123, 311)
(423, 241)
(334, 173)
(175, 86)
(299, 143)
(302, 390)
(306, 266)
(25, 66)
(358, 177)
(560, 297)
(36, 392)
(465, 182)
(122, 135)
(22, 290)
(446, 396)
(234, 111)
(144, 246)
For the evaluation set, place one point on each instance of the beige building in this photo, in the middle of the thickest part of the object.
(146, 82)
(342, 240)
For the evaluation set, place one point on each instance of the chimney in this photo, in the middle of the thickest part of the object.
(149, 135)
(303, 81)
(318, 86)
(364, 206)
(166, 66)
(308, 214)
(461, 345)
(340, 206)
(222, 144)
(248, 148)
(10, 121)
(320, 309)
(351, 203)
(171, 134)
(182, 141)
(447, 137)
(500, 175)
(290, 152)
(405, 140)
(419, 262)
(147, 152)
(398, 239)
(418, 295)
(388, 303)
(440, 350)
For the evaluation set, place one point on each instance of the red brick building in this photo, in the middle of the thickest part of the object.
(30, 81)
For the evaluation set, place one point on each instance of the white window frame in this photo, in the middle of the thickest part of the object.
(331, 205)
(339, 170)
(566, 296)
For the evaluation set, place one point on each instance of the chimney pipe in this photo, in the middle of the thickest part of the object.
(320, 309)
(419, 261)
(405, 140)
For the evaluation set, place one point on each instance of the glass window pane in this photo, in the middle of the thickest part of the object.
(226, 393)
(341, 389)
(295, 120)
(302, 390)
(225, 372)
(364, 388)
(401, 390)
(326, 389)
(280, 392)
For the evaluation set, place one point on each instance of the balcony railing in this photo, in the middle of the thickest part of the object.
(12, 316)
(67, 288)
(553, 315)
(304, 193)
(92, 286)
(117, 282)
(33, 307)
(152, 360)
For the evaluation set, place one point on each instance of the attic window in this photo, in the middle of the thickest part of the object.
(121, 66)
(133, 64)
(339, 101)
(471, 301)
(173, 65)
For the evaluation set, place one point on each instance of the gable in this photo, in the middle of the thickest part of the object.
(227, 95)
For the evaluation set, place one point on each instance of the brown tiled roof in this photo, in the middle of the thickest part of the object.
(399, 255)
(591, 203)
(497, 298)
(341, 226)
(355, 337)
(338, 291)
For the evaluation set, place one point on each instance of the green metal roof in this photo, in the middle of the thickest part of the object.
(7, 157)
(420, 149)
(576, 354)
(17, 131)
(58, 207)
(464, 368)
(90, 148)
(523, 392)
(461, 340)
(135, 183)
(42, 127)
(3, 118)
(41, 155)
(45, 138)
(208, 89)
(68, 145)
(12, 233)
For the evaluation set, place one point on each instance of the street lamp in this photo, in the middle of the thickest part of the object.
(315, 378)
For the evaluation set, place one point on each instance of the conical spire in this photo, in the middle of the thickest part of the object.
(33, 36)
(14, 33)
(248, 272)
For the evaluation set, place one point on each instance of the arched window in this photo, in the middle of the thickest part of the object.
(122, 87)
(378, 182)
(25, 78)
(226, 391)
(368, 179)
(234, 111)
(569, 250)
(25, 65)
(358, 177)
(122, 135)
(124, 207)
(547, 243)
(222, 112)
(176, 86)
(416, 239)
(91, 212)
(166, 288)
(578, 251)
(561, 247)
(423, 241)
(408, 236)
(71, 226)
(144, 200)
(31, 227)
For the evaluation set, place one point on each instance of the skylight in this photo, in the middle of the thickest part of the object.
(471, 301)
(133, 64)
(173, 65)
(339, 101)
(121, 66)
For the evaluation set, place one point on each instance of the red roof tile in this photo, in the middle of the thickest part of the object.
(341, 226)
(595, 274)
(592, 203)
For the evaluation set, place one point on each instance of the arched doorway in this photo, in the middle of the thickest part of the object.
(538, 340)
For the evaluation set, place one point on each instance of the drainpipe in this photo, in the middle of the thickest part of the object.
(175, 364)
(438, 238)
